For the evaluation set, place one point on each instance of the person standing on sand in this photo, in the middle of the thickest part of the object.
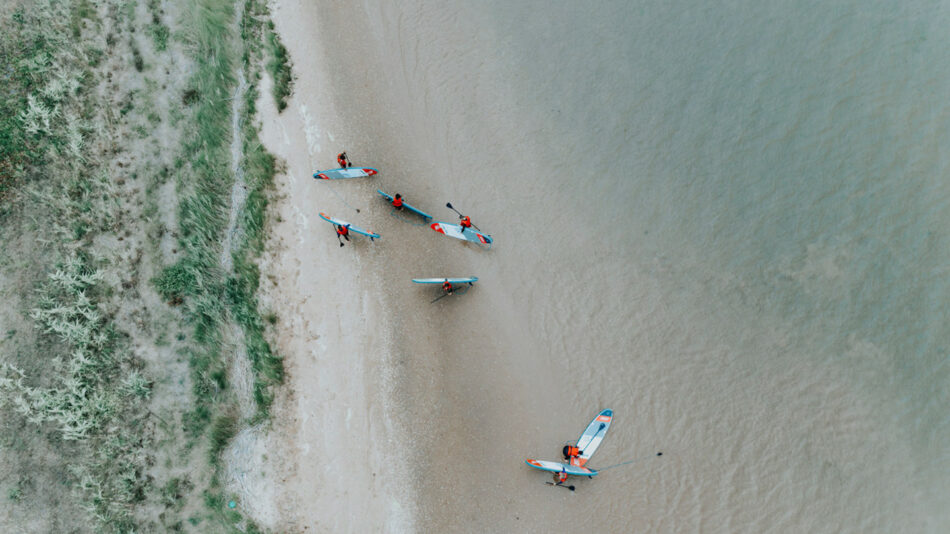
(397, 202)
(465, 222)
(342, 231)
(560, 478)
(343, 160)
(447, 287)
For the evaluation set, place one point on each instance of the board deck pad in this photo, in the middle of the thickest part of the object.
(557, 467)
(406, 205)
(342, 174)
(468, 280)
(356, 229)
(454, 230)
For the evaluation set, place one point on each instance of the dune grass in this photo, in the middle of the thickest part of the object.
(279, 67)
(80, 382)
(86, 388)
(212, 297)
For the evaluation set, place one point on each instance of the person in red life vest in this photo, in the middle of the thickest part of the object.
(397, 202)
(447, 287)
(571, 454)
(342, 232)
(560, 478)
(465, 222)
(342, 160)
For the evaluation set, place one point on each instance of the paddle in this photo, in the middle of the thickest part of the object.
(560, 486)
(449, 205)
(440, 298)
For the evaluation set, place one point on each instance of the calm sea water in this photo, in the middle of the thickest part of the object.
(777, 171)
(728, 221)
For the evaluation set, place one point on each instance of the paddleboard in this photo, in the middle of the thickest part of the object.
(417, 211)
(557, 467)
(342, 174)
(588, 443)
(441, 280)
(593, 435)
(356, 229)
(454, 230)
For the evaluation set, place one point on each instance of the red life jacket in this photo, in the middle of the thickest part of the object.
(341, 159)
(561, 477)
(397, 202)
(342, 230)
(447, 286)
(466, 222)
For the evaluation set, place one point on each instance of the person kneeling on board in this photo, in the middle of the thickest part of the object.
(397, 202)
(571, 454)
(342, 231)
(447, 287)
(465, 222)
(342, 160)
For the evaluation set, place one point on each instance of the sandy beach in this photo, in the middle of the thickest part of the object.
(406, 382)
(429, 384)
(338, 466)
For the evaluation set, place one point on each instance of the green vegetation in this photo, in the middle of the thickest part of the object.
(279, 67)
(223, 429)
(210, 296)
(159, 31)
(65, 149)
(81, 383)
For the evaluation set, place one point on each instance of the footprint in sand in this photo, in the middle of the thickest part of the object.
(311, 132)
(303, 223)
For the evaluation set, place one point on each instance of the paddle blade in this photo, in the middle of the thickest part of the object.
(449, 205)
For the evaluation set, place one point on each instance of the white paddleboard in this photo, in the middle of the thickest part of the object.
(356, 229)
(468, 280)
(342, 174)
(557, 467)
(593, 435)
(454, 230)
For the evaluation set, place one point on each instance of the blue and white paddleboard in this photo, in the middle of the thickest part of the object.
(417, 211)
(352, 228)
(456, 231)
(557, 467)
(593, 435)
(588, 443)
(468, 280)
(342, 174)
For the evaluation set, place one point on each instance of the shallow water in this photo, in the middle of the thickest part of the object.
(725, 222)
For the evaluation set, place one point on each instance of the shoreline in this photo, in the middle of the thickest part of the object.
(334, 331)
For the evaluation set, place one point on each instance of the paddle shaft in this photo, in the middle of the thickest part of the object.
(449, 205)
(560, 486)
